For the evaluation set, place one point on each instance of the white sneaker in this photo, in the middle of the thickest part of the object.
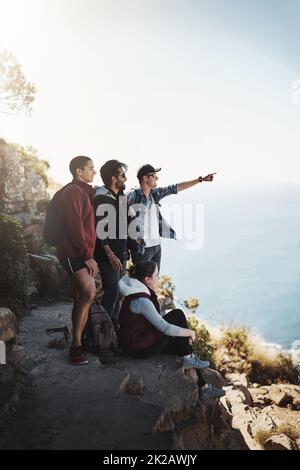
(193, 362)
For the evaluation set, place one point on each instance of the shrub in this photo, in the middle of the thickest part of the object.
(166, 287)
(16, 285)
(236, 341)
(267, 371)
(237, 351)
(262, 436)
(202, 345)
(192, 304)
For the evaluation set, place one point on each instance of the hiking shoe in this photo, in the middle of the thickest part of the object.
(77, 356)
(208, 391)
(194, 362)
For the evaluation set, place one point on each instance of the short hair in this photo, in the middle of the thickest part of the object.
(78, 162)
(109, 169)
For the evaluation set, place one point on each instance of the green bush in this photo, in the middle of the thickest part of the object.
(16, 285)
(202, 344)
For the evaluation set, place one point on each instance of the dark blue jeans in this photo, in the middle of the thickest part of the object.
(151, 254)
(112, 298)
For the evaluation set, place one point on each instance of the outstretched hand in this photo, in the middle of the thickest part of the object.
(209, 177)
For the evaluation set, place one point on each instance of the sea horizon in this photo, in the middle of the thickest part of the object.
(248, 270)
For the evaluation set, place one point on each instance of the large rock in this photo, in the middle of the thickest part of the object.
(279, 396)
(239, 415)
(238, 379)
(263, 423)
(260, 397)
(214, 378)
(240, 395)
(296, 404)
(8, 325)
(53, 280)
(280, 442)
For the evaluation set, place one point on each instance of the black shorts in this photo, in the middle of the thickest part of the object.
(72, 265)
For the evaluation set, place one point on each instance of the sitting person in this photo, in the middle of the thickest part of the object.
(144, 332)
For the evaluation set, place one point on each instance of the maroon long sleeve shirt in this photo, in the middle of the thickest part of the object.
(79, 224)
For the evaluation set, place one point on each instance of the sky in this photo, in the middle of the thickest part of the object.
(192, 86)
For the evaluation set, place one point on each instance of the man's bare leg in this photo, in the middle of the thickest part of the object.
(84, 291)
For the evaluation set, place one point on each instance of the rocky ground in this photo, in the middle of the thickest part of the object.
(132, 404)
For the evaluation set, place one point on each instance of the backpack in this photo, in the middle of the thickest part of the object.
(99, 335)
(53, 225)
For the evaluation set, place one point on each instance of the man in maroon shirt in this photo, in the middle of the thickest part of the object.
(76, 248)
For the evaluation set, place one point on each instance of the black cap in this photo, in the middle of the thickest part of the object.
(145, 170)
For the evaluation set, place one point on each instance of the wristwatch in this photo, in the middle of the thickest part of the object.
(200, 179)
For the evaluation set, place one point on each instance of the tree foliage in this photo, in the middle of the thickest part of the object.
(16, 92)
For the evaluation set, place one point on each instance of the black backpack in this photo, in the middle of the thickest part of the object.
(99, 335)
(53, 225)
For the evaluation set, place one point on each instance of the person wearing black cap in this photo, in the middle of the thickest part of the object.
(152, 224)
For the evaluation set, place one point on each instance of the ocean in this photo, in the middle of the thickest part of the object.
(248, 270)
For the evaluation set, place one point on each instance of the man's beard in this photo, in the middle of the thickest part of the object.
(122, 188)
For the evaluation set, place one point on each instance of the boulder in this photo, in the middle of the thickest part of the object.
(259, 397)
(296, 404)
(280, 442)
(8, 325)
(238, 379)
(293, 390)
(214, 378)
(263, 423)
(240, 395)
(53, 280)
(279, 397)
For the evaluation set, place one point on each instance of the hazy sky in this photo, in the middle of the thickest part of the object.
(190, 85)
